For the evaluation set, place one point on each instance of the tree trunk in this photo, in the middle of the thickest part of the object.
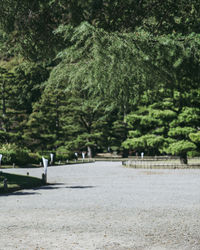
(183, 159)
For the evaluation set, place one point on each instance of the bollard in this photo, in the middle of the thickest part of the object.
(44, 175)
(5, 184)
(44, 178)
(0, 158)
(51, 157)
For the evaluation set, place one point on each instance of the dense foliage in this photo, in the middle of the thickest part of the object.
(101, 75)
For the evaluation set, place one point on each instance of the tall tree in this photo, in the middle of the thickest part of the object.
(108, 63)
(30, 24)
(6, 80)
(44, 129)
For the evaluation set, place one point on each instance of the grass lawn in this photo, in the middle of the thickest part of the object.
(16, 182)
(16, 166)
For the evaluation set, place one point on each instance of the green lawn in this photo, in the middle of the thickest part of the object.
(16, 182)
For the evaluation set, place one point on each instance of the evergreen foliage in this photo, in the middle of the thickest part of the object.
(100, 74)
(13, 154)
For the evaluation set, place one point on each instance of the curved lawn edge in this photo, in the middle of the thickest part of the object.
(17, 182)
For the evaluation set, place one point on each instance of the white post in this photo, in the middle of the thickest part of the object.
(76, 155)
(83, 156)
(0, 158)
(45, 164)
(51, 157)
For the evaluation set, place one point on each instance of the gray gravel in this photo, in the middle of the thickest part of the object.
(103, 206)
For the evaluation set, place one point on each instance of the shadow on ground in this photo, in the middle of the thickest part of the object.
(80, 187)
(17, 193)
(46, 187)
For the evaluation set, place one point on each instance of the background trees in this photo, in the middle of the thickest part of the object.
(6, 79)
(88, 75)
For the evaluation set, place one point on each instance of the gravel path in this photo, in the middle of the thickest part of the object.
(103, 206)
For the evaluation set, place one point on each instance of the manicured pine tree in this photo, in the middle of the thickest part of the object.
(148, 127)
(163, 128)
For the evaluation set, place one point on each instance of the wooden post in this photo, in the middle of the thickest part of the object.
(5, 184)
(44, 179)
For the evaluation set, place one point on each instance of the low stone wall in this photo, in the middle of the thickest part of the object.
(160, 165)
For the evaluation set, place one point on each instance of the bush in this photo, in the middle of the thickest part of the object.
(62, 154)
(193, 154)
(35, 158)
(14, 154)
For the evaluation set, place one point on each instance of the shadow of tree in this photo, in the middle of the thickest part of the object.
(79, 187)
(19, 193)
(45, 187)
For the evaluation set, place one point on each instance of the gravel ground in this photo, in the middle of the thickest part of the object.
(103, 206)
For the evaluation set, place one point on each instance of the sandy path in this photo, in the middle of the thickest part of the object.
(103, 206)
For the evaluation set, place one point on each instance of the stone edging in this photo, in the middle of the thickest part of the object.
(146, 165)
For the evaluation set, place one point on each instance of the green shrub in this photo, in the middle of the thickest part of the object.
(193, 154)
(14, 154)
(62, 154)
(35, 158)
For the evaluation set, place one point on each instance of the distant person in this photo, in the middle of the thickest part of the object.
(76, 155)
(142, 155)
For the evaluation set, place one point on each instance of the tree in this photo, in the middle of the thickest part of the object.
(30, 24)
(163, 128)
(29, 78)
(108, 63)
(84, 122)
(148, 127)
(195, 137)
(21, 87)
(4, 51)
(120, 66)
(181, 129)
(115, 57)
(44, 129)
(6, 80)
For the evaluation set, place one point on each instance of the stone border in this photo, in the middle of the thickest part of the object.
(161, 165)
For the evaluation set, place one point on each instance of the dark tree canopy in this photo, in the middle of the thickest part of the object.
(98, 74)
(30, 24)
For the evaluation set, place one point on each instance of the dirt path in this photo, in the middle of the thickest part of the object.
(103, 206)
